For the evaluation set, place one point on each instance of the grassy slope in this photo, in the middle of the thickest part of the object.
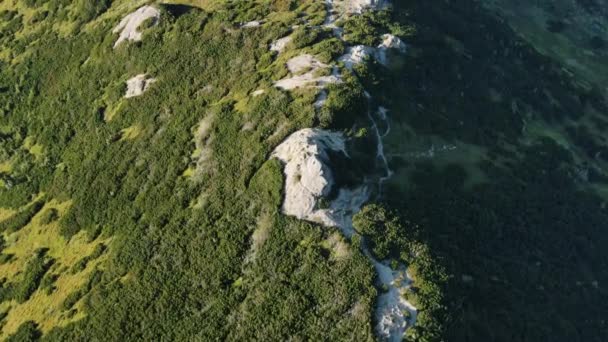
(45, 307)
(180, 264)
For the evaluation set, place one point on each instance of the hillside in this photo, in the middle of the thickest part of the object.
(303, 170)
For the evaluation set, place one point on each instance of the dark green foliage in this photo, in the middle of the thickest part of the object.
(362, 30)
(392, 237)
(304, 36)
(34, 271)
(265, 61)
(177, 10)
(7, 15)
(71, 300)
(592, 6)
(267, 183)
(82, 263)
(367, 28)
(21, 218)
(515, 243)
(383, 229)
(500, 236)
(27, 332)
(32, 276)
(33, 3)
(556, 26)
(285, 5)
(345, 104)
(6, 258)
(328, 49)
(87, 10)
(598, 43)
(183, 264)
(48, 216)
(38, 17)
(47, 285)
(19, 186)
(279, 306)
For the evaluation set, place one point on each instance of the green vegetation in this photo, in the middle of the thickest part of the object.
(496, 154)
(181, 262)
(82, 263)
(396, 238)
(30, 280)
(48, 216)
(368, 27)
(21, 218)
(28, 331)
(158, 217)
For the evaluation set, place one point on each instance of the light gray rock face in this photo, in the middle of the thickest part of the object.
(129, 25)
(280, 44)
(304, 69)
(137, 85)
(308, 177)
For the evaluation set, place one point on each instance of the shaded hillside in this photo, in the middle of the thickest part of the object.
(499, 154)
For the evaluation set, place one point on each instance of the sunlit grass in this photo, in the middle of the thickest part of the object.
(131, 132)
(42, 308)
(189, 172)
(33, 147)
(5, 213)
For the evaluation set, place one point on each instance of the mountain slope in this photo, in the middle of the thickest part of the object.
(308, 170)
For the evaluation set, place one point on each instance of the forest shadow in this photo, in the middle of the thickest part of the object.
(177, 10)
(524, 246)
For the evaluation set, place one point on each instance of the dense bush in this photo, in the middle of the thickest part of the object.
(48, 216)
(34, 271)
(85, 10)
(392, 237)
(27, 332)
(181, 260)
(515, 225)
(21, 218)
(81, 264)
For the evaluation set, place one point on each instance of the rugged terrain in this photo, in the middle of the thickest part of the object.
(303, 170)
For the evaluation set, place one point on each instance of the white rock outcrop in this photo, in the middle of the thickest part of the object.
(251, 24)
(280, 44)
(258, 92)
(392, 307)
(304, 69)
(128, 26)
(389, 41)
(137, 85)
(359, 6)
(302, 62)
(308, 177)
(342, 209)
(359, 53)
(356, 55)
